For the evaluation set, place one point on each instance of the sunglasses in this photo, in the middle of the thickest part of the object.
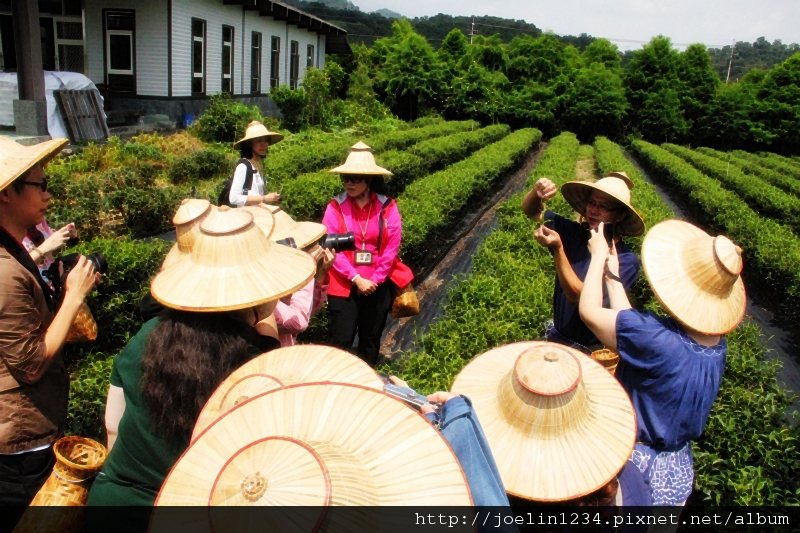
(352, 179)
(41, 184)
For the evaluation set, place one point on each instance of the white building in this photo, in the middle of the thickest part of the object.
(169, 56)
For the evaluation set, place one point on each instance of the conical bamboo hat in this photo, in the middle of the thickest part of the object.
(559, 424)
(263, 218)
(232, 266)
(187, 221)
(16, 159)
(304, 233)
(256, 130)
(360, 161)
(340, 445)
(286, 366)
(695, 276)
(577, 194)
(173, 256)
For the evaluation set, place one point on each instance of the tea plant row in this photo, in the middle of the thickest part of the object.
(754, 165)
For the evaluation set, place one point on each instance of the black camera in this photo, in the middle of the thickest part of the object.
(338, 242)
(68, 262)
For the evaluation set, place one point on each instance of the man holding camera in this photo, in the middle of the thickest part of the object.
(607, 200)
(34, 385)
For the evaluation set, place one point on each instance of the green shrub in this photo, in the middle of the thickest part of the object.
(226, 120)
(771, 250)
(115, 304)
(87, 397)
(291, 102)
(757, 166)
(201, 165)
(763, 197)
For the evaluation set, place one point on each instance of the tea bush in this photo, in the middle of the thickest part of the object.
(761, 196)
(755, 165)
(87, 397)
(201, 165)
(226, 120)
(306, 196)
(771, 250)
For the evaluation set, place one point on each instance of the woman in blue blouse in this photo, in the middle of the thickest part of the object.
(671, 366)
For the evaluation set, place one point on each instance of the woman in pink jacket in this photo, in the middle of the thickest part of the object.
(362, 282)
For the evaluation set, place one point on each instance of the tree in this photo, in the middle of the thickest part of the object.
(727, 123)
(602, 51)
(477, 94)
(778, 106)
(541, 59)
(699, 83)
(316, 86)
(489, 52)
(595, 103)
(653, 90)
(409, 75)
(454, 47)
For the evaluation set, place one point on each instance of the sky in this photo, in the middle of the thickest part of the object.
(712, 22)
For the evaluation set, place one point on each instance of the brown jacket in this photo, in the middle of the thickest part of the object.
(32, 414)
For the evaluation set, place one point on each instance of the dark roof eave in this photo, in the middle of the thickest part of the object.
(324, 26)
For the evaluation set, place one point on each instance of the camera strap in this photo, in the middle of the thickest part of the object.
(22, 256)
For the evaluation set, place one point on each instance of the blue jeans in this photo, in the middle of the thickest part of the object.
(460, 427)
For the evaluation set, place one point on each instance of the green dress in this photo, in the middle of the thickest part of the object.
(140, 459)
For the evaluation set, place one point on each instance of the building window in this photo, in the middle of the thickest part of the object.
(255, 63)
(294, 65)
(120, 50)
(310, 56)
(69, 44)
(198, 56)
(227, 59)
(275, 63)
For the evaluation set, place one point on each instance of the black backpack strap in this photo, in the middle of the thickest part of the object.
(23, 258)
(248, 178)
(380, 223)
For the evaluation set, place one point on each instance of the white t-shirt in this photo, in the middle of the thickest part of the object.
(238, 195)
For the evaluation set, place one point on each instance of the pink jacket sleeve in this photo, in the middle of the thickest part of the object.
(293, 318)
(393, 235)
(320, 296)
(341, 264)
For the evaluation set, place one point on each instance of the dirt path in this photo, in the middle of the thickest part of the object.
(780, 335)
(586, 167)
(401, 335)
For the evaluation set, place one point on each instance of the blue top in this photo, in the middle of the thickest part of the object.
(671, 380)
(575, 240)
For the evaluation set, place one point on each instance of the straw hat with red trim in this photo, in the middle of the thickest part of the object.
(559, 424)
(695, 276)
(232, 266)
(360, 161)
(187, 226)
(256, 130)
(316, 445)
(286, 366)
(16, 159)
(618, 186)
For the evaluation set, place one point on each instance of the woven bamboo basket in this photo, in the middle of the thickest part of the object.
(78, 460)
(608, 358)
(84, 327)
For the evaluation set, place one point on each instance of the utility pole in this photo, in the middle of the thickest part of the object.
(472, 30)
(730, 63)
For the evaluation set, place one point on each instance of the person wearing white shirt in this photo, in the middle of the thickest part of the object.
(254, 147)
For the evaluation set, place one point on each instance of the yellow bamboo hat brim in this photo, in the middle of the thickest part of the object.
(695, 276)
(256, 130)
(577, 194)
(231, 266)
(173, 256)
(16, 159)
(304, 233)
(559, 425)
(262, 217)
(360, 161)
(282, 367)
(316, 444)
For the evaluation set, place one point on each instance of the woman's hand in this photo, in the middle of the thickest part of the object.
(58, 239)
(438, 398)
(324, 264)
(597, 242)
(545, 189)
(365, 286)
(612, 261)
(82, 280)
(272, 198)
(549, 238)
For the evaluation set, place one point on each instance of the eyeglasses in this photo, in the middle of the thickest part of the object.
(600, 207)
(352, 179)
(41, 184)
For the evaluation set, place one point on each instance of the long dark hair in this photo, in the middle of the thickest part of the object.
(188, 355)
(246, 150)
(378, 185)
